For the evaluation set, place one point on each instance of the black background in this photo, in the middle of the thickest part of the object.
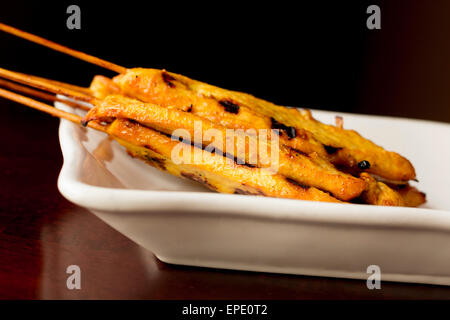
(316, 54)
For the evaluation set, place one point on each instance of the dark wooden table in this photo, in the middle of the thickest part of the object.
(41, 233)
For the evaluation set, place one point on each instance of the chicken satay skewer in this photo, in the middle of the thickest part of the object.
(138, 147)
(80, 55)
(309, 147)
(63, 49)
(374, 194)
(100, 84)
(300, 168)
(158, 148)
(44, 83)
(348, 147)
(307, 170)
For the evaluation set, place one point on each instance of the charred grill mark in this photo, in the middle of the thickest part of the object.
(298, 184)
(150, 148)
(246, 192)
(327, 192)
(131, 121)
(160, 163)
(192, 176)
(198, 145)
(198, 178)
(297, 151)
(131, 154)
(167, 78)
(330, 149)
(212, 187)
(229, 106)
(237, 161)
(363, 165)
(157, 162)
(349, 169)
(290, 131)
(250, 165)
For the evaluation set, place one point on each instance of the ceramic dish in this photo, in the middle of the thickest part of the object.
(183, 223)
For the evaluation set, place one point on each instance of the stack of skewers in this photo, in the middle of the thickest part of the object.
(146, 110)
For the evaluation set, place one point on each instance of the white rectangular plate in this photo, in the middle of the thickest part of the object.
(183, 223)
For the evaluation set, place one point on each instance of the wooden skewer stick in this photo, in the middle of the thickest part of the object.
(45, 85)
(57, 47)
(86, 91)
(39, 94)
(48, 109)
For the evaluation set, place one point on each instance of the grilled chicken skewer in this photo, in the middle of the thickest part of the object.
(222, 108)
(376, 193)
(304, 169)
(299, 130)
(320, 175)
(347, 148)
(307, 170)
(214, 172)
(159, 87)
